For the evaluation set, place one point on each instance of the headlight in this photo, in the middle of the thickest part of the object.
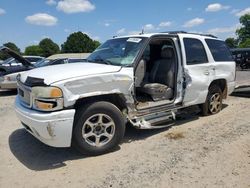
(47, 92)
(47, 98)
(7, 78)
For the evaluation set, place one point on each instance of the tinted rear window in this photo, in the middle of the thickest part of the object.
(195, 51)
(219, 50)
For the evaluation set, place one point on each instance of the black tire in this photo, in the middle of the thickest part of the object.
(86, 116)
(207, 108)
(243, 66)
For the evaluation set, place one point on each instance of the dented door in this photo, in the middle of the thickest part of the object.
(198, 71)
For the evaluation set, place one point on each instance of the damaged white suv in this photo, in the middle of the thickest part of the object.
(142, 79)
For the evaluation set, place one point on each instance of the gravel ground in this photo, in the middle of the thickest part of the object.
(198, 151)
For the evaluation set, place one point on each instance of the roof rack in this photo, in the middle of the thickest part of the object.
(184, 32)
(174, 32)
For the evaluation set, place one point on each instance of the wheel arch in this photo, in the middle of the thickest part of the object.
(117, 99)
(222, 84)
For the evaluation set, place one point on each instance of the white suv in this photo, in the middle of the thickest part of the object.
(142, 79)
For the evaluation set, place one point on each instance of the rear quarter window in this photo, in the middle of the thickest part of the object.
(219, 50)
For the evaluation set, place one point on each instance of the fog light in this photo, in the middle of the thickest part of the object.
(44, 105)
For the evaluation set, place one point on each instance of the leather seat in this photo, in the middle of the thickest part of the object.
(160, 84)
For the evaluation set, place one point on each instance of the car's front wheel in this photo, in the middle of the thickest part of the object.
(98, 128)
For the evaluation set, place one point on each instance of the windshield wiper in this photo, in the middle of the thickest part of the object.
(100, 61)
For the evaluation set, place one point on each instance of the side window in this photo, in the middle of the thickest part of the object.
(58, 62)
(32, 59)
(195, 51)
(76, 60)
(219, 50)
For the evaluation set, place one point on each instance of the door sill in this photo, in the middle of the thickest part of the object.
(152, 104)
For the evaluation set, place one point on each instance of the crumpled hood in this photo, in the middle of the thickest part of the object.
(55, 73)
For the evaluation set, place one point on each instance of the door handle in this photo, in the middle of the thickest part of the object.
(206, 72)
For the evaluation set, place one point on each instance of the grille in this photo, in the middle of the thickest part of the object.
(24, 94)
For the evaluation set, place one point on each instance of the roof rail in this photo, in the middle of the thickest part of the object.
(174, 32)
(184, 32)
(203, 34)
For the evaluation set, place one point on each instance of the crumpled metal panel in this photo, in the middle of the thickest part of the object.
(95, 85)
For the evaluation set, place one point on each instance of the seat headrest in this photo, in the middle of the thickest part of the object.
(167, 53)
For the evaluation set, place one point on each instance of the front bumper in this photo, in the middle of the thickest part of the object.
(53, 128)
(6, 84)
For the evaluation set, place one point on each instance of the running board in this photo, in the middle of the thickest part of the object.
(154, 121)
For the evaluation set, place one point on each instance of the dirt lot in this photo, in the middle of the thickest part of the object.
(197, 152)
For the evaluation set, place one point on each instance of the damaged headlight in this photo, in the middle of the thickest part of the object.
(47, 98)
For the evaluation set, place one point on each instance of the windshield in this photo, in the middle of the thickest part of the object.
(120, 51)
(7, 60)
(42, 63)
(11, 62)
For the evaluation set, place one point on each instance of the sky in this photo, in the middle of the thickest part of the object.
(26, 22)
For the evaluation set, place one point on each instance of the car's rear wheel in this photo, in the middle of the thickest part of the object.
(213, 103)
(243, 66)
(98, 128)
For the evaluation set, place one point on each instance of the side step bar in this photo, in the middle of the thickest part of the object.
(154, 121)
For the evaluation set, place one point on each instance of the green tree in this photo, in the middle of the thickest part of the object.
(12, 46)
(245, 44)
(244, 32)
(48, 47)
(33, 50)
(79, 42)
(96, 44)
(231, 42)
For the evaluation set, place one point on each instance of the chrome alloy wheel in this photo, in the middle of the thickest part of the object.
(98, 130)
(215, 103)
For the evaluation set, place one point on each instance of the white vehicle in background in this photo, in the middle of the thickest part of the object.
(9, 81)
(141, 79)
(18, 64)
(13, 62)
(13, 67)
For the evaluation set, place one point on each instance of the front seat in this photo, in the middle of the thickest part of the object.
(160, 85)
